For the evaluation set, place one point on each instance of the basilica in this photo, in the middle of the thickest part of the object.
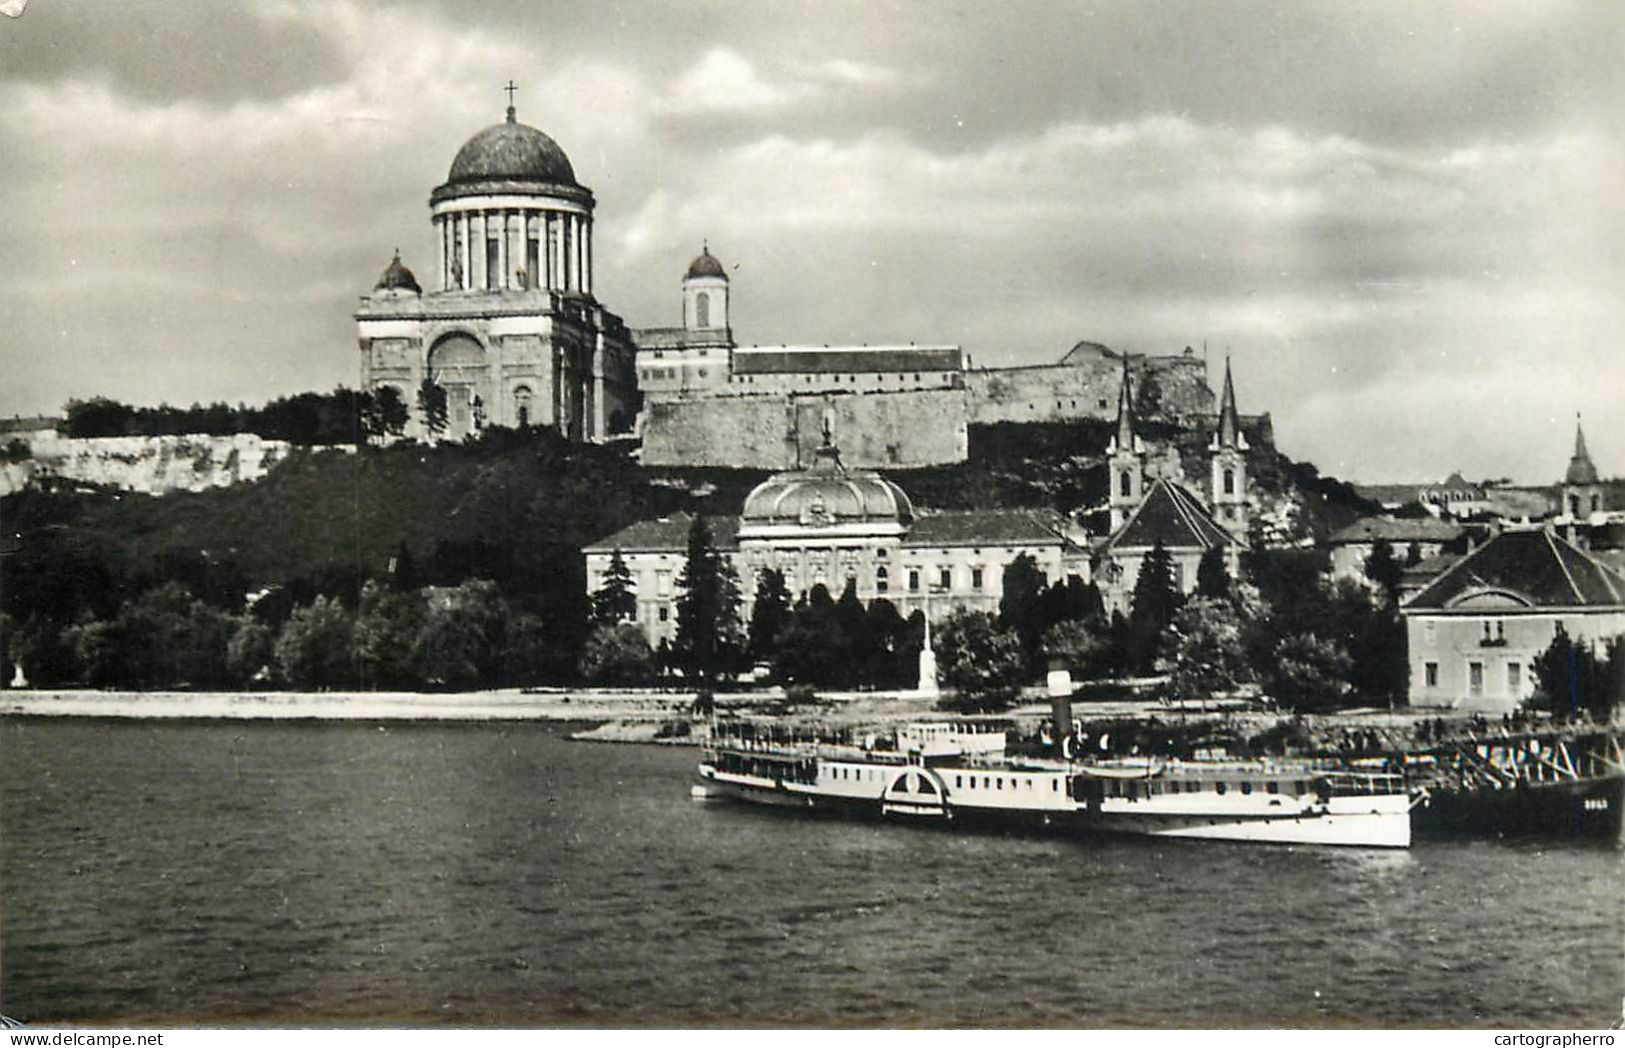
(508, 332)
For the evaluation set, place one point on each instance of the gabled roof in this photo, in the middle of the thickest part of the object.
(1170, 514)
(666, 535)
(1534, 567)
(1390, 529)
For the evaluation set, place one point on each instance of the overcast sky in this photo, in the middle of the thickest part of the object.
(1404, 221)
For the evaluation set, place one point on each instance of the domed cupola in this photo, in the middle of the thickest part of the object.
(398, 278)
(511, 152)
(705, 293)
(827, 496)
(511, 216)
(705, 264)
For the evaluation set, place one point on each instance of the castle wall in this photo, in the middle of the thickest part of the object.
(152, 465)
(1087, 387)
(782, 431)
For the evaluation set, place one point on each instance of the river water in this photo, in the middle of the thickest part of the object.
(173, 873)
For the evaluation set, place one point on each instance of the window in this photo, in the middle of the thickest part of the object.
(702, 310)
(882, 579)
(493, 265)
(976, 578)
(1514, 678)
(1229, 482)
(533, 266)
(665, 613)
(914, 580)
(663, 583)
(1125, 484)
(945, 578)
(1475, 678)
(1430, 674)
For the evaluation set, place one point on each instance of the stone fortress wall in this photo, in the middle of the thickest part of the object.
(782, 431)
(151, 465)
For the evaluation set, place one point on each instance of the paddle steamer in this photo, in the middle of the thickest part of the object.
(950, 771)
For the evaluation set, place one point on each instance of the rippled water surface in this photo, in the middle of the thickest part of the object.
(172, 873)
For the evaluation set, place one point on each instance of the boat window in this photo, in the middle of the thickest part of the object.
(1246, 788)
(998, 784)
(1273, 787)
(956, 782)
(1219, 788)
(1055, 785)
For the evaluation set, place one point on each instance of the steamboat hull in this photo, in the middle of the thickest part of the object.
(1590, 809)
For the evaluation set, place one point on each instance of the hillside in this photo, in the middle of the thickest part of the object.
(514, 506)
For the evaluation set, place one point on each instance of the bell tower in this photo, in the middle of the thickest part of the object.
(705, 293)
(1582, 490)
(1125, 456)
(1229, 456)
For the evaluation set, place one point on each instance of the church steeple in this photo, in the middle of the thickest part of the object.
(1582, 487)
(1125, 465)
(1229, 448)
(1581, 469)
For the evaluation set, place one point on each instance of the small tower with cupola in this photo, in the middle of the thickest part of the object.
(1582, 488)
(1228, 451)
(705, 293)
(1125, 456)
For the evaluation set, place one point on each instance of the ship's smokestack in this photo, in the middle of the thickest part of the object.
(1060, 709)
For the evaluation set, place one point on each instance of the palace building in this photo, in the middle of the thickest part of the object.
(508, 332)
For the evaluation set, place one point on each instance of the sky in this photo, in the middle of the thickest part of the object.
(1403, 222)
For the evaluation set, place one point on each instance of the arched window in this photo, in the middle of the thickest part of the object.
(1229, 482)
(1125, 484)
(702, 310)
(521, 406)
(882, 579)
(1574, 505)
(1596, 502)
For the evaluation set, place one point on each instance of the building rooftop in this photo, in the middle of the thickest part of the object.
(778, 360)
(1532, 567)
(667, 535)
(1396, 530)
(1170, 514)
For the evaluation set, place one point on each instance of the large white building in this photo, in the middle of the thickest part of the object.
(828, 524)
(509, 330)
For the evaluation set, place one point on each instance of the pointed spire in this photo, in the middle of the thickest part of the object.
(1125, 411)
(1581, 469)
(1229, 422)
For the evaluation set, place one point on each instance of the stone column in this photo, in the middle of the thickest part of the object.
(463, 228)
(586, 256)
(502, 251)
(555, 250)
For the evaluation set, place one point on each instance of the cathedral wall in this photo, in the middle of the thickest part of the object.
(783, 432)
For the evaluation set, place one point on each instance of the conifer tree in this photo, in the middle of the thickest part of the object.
(1212, 580)
(707, 608)
(615, 600)
(1155, 602)
(769, 612)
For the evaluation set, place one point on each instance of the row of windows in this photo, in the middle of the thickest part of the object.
(1476, 676)
(996, 782)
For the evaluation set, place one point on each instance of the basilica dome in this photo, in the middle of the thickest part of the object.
(826, 495)
(511, 152)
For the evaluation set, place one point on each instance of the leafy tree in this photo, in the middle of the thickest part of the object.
(769, 613)
(852, 617)
(1384, 571)
(383, 413)
(1212, 580)
(433, 407)
(813, 648)
(461, 639)
(982, 662)
(1081, 646)
(1021, 608)
(891, 662)
(617, 653)
(1309, 674)
(316, 646)
(387, 624)
(615, 601)
(1207, 650)
(250, 651)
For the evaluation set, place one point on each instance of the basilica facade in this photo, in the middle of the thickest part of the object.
(508, 332)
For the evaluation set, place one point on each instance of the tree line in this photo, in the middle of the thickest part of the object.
(344, 416)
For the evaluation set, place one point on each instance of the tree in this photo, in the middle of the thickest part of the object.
(852, 618)
(433, 407)
(316, 646)
(384, 413)
(251, 650)
(770, 611)
(1021, 608)
(1310, 674)
(982, 662)
(1212, 580)
(460, 641)
(386, 627)
(1080, 646)
(615, 601)
(1384, 571)
(707, 607)
(617, 653)
(813, 648)
(1207, 650)
(1155, 601)
(1571, 680)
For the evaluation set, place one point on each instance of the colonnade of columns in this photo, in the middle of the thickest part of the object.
(533, 248)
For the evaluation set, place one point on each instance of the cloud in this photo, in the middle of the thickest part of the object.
(724, 81)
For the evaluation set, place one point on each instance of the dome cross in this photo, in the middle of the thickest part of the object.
(510, 87)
